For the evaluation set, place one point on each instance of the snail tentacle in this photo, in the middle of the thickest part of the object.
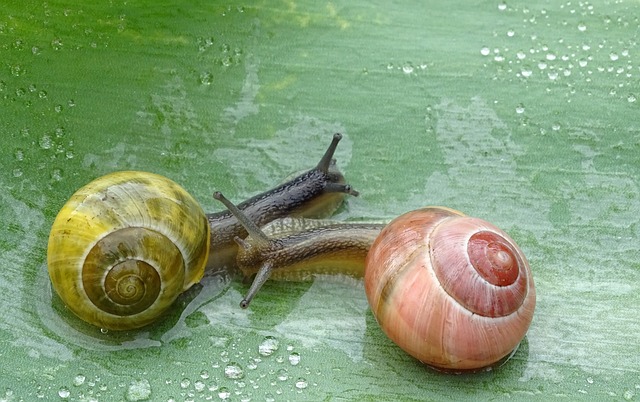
(313, 194)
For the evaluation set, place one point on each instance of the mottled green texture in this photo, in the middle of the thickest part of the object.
(524, 114)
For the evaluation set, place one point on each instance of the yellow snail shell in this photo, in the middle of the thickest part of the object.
(455, 292)
(125, 246)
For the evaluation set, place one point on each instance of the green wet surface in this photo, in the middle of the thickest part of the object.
(523, 114)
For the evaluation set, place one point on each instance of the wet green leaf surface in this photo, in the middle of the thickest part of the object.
(523, 114)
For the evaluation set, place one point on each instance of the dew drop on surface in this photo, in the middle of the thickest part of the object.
(64, 393)
(582, 27)
(502, 6)
(79, 380)
(233, 371)
(282, 375)
(556, 127)
(294, 358)
(18, 154)
(204, 374)
(206, 78)
(632, 98)
(301, 383)
(613, 56)
(139, 390)
(520, 108)
(199, 385)
(224, 393)
(45, 142)
(185, 383)
(407, 68)
(268, 346)
(521, 55)
(485, 51)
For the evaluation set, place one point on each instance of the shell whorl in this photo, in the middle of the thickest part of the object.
(125, 246)
(453, 291)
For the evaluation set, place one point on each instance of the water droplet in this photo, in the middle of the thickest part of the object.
(582, 27)
(268, 346)
(556, 126)
(185, 383)
(282, 375)
(502, 6)
(56, 44)
(526, 72)
(631, 98)
(199, 385)
(104, 331)
(79, 380)
(56, 175)
(407, 68)
(17, 172)
(521, 55)
(590, 380)
(520, 108)
(42, 94)
(139, 390)
(511, 33)
(485, 51)
(18, 154)
(542, 65)
(45, 142)
(301, 383)
(17, 70)
(224, 393)
(204, 374)
(206, 78)
(233, 371)
(294, 358)
(613, 56)
(64, 393)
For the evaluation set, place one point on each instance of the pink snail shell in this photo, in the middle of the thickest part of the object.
(453, 291)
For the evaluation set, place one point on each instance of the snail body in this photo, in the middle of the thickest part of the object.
(127, 244)
(453, 291)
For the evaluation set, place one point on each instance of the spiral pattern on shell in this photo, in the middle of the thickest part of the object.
(125, 246)
(453, 291)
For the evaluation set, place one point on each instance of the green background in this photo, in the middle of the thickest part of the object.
(526, 115)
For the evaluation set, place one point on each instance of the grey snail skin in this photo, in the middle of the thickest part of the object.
(453, 291)
(127, 244)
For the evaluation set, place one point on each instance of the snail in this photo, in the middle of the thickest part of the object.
(127, 244)
(453, 291)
